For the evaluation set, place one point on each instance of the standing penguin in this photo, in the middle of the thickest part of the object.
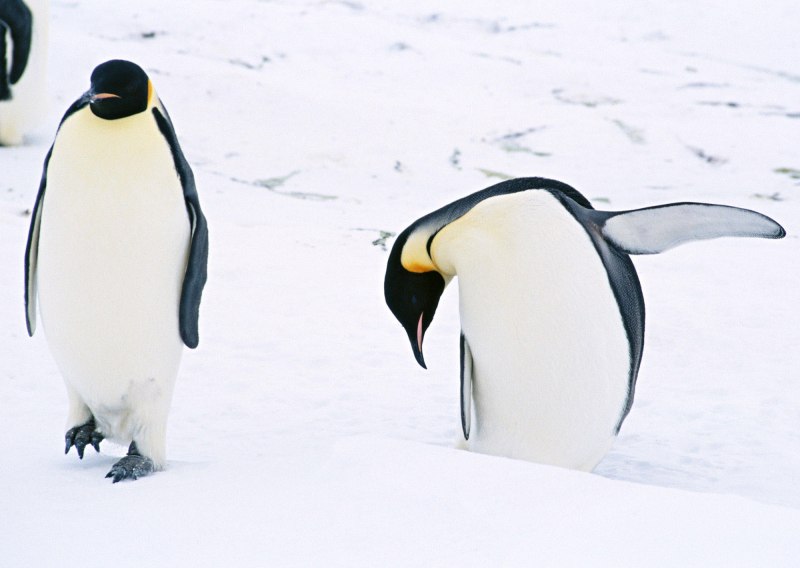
(118, 248)
(552, 314)
(23, 62)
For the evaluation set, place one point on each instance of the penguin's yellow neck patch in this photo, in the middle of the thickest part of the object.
(149, 92)
(415, 257)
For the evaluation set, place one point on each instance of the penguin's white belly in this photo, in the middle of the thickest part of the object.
(550, 353)
(113, 248)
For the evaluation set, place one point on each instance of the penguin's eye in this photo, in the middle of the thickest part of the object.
(413, 299)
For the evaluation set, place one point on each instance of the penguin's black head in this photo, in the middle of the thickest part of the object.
(119, 89)
(412, 296)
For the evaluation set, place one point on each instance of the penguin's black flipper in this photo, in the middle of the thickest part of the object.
(16, 16)
(133, 466)
(32, 251)
(466, 386)
(82, 436)
(197, 268)
(655, 229)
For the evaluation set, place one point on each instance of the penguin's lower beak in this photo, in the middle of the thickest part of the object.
(101, 96)
(416, 342)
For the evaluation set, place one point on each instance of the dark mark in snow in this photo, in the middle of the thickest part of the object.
(511, 142)
(381, 240)
(771, 196)
(272, 185)
(519, 134)
(498, 58)
(729, 104)
(513, 147)
(356, 6)
(781, 113)
(275, 182)
(652, 71)
(253, 66)
(702, 85)
(584, 100)
(498, 28)
(774, 72)
(791, 172)
(455, 159)
(494, 174)
(708, 158)
(398, 166)
(635, 135)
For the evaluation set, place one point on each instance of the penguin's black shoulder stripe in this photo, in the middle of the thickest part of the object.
(5, 84)
(449, 213)
(197, 267)
(32, 246)
(17, 17)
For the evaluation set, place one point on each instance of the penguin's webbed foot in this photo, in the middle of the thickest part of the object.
(82, 436)
(132, 466)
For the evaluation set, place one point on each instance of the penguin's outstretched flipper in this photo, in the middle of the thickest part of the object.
(82, 436)
(655, 229)
(133, 466)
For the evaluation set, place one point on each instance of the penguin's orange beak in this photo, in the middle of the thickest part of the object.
(101, 96)
(416, 342)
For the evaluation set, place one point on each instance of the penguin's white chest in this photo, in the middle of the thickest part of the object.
(113, 248)
(550, 352)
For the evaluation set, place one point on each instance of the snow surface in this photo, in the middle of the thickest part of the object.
(302, 432)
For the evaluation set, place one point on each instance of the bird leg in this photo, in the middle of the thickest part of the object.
(82, 436)
(132, 466)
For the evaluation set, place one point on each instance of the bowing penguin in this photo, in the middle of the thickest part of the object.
(23, 63)
(117, 254)
(552, 314)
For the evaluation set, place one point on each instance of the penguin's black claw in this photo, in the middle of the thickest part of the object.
(133, 466)
(97, 437)
(83, 435)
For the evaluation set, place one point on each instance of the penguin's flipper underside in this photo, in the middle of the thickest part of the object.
(82, 436)
(16, 16)
(466, 387)
(196, 270)
(133, 466)
(656, 229)
(32, 251)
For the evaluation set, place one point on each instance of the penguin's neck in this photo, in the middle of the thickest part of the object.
(517, 256)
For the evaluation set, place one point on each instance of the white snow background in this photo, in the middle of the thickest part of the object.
(302, 431)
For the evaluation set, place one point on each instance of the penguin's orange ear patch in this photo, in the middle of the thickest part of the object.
(149, 91)
(414, 257)
(417, 267)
